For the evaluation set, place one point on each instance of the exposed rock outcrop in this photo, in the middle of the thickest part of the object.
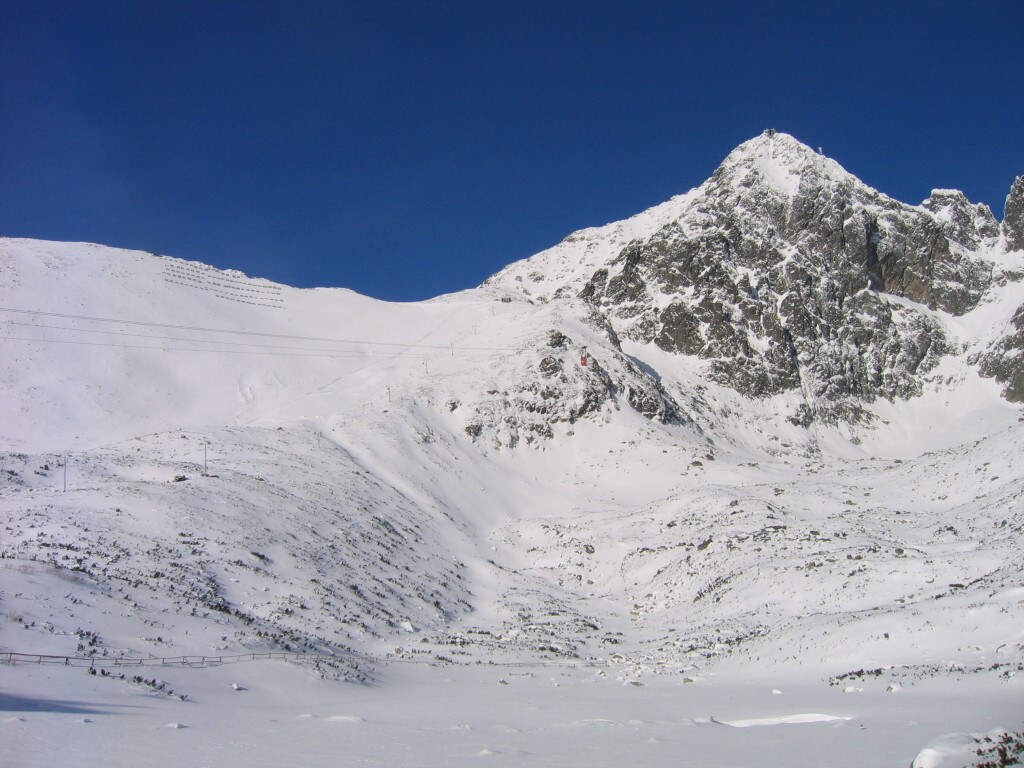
(781, 274)
(1005, 362)
(1013, 217)
(785, 273)
(557, 388)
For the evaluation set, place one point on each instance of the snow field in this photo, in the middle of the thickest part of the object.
(269, 713)
(638, 586)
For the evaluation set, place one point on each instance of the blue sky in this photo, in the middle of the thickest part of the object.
(407, 149)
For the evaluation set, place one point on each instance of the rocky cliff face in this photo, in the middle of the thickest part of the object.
(786, 273)
(1013, 217)
(1005, 361)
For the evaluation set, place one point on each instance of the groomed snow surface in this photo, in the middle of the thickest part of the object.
(255, 470)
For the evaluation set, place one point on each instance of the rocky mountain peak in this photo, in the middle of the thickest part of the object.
(784, 273)
(778, 161)
(968, 224)
(1013, 217)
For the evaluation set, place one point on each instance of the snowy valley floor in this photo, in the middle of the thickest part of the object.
(274, 713)
(780, 614)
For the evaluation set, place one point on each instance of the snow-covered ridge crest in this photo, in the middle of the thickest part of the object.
(777, 159)
(563, 269)
(781, 161)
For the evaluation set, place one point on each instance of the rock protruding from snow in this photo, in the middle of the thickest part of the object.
(1013, 217)
(778, 274)
(788, 274)
(971, 226)
(1005, 361)
(561, 384)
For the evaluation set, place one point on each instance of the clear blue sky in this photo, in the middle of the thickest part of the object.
(406, 149)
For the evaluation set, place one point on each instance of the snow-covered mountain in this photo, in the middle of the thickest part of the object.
(788, 275)
(767, 433)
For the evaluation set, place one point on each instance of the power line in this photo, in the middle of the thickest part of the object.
(201, 329)
(338, 353)
(352, 353)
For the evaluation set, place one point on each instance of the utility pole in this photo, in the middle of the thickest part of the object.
(65, 473)
(205, 470)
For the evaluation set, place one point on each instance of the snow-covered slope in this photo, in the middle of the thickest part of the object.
(442, 500)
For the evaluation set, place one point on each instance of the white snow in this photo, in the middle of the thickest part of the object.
(635, 586)
(568, 265)
(784, 720)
